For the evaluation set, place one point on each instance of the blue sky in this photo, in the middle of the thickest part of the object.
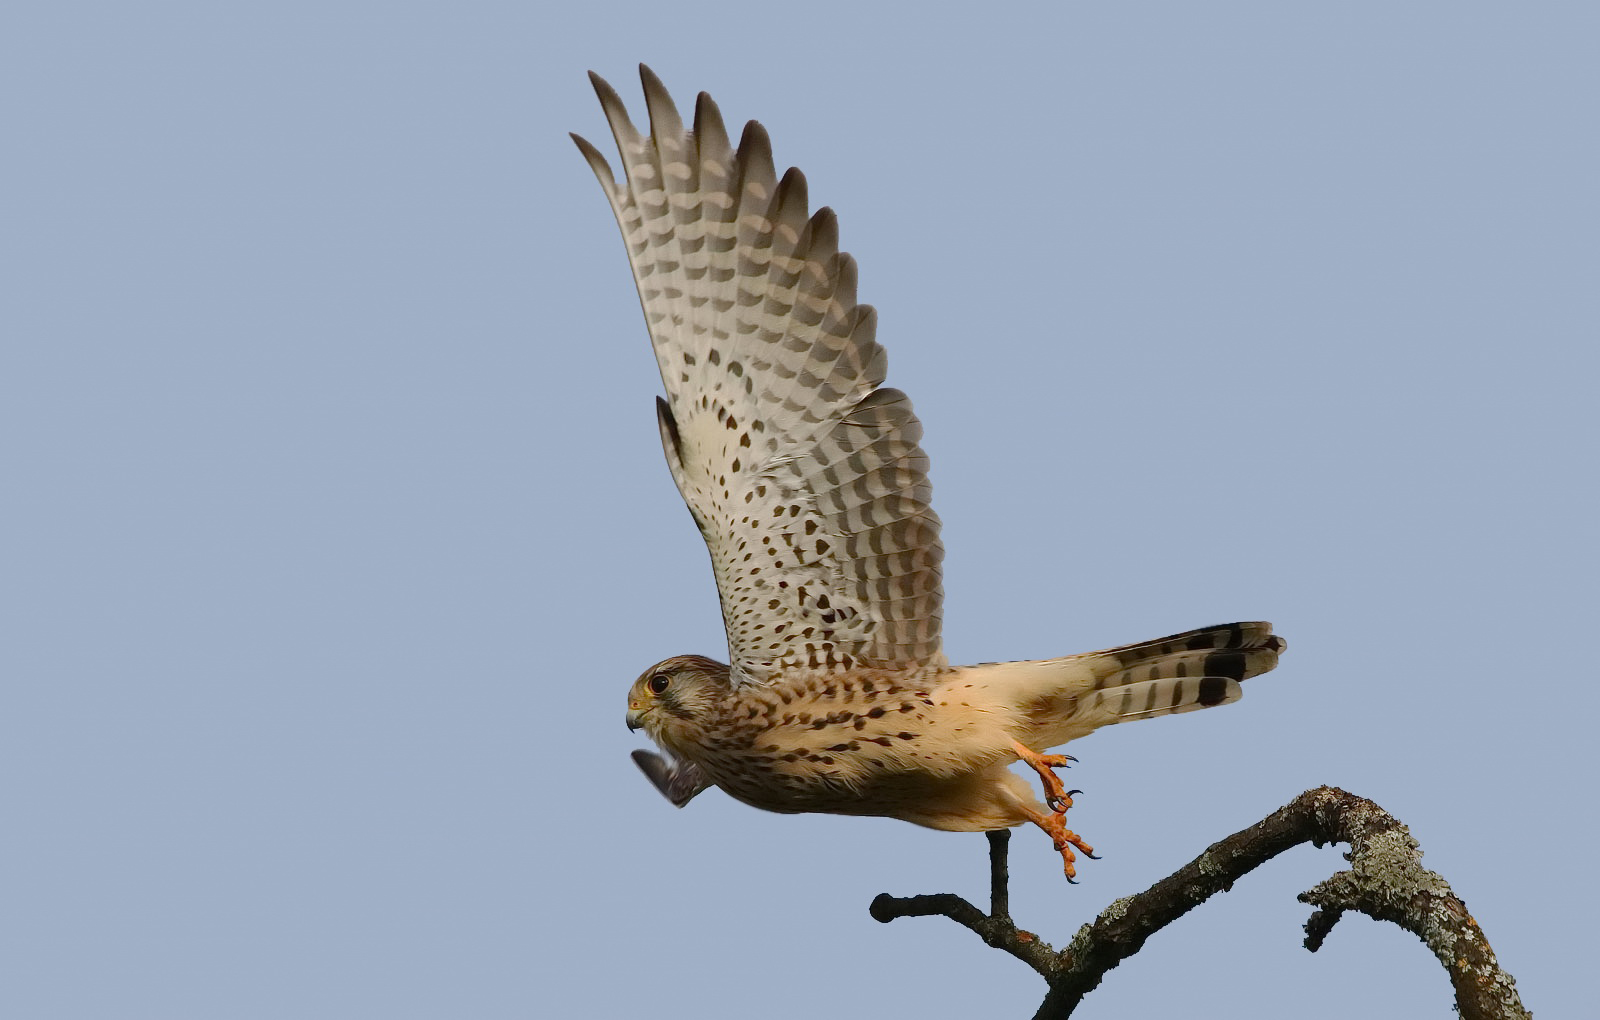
(339, 524)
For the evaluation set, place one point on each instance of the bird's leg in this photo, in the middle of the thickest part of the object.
(1059, 798)
(1056, 794)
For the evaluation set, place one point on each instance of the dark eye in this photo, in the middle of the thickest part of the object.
(658, 683)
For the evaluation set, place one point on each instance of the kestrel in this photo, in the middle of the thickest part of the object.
(804, 474)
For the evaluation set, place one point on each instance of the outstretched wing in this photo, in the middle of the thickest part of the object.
(804, 475)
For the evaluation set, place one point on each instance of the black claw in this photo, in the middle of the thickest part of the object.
(1069, 757)
(1071, 880)
(1092, 857)
(1074, 793)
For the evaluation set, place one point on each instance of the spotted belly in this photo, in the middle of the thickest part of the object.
(839, 748)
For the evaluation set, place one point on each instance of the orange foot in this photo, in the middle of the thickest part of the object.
(1064, 839)
(1059, 798)
(1056, 794)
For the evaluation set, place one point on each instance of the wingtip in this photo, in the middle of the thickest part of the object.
(754, 160)
(610, 100)
(666, 125)
(755, 133)
(596, 160)
(710, 134)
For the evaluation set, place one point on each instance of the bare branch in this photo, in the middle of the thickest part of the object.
(995, 928)
(1386, 881)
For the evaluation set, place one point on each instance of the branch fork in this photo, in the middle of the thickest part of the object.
(1385, 881)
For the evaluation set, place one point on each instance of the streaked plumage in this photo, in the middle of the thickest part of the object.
(806, 479)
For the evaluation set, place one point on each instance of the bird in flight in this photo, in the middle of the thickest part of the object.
(805, 476)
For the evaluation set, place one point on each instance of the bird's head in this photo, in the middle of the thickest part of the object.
(674, 700)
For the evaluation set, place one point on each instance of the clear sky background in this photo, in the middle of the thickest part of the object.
(337, 523)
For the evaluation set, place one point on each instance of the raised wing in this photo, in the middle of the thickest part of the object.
(805, 477)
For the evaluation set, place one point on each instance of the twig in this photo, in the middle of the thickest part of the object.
(1386, 881)
(995, 928)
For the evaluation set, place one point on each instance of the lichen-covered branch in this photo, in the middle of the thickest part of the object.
(1385, 881)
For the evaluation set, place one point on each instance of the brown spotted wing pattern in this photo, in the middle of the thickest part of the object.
(803, 472)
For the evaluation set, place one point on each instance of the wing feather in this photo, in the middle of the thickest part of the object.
(805, 476)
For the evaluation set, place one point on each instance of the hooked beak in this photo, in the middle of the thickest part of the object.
(633, 720)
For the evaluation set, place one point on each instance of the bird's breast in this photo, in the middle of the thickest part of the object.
(834, 744)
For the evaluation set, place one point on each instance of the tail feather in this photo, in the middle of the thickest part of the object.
(1168, 696)
(1256, 635)
(1054, 701)
(1229, 663)
(1182, 673)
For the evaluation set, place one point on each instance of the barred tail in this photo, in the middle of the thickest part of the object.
(1182, 673)
(1048, 702)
